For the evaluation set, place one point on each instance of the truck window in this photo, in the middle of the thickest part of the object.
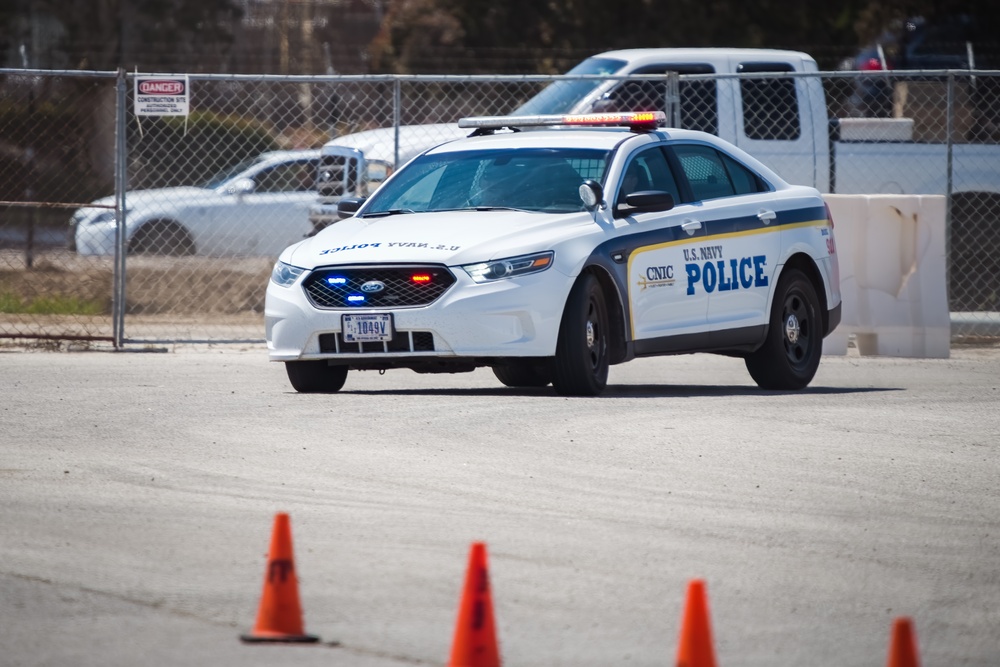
(706, 172)
(699, 101)
(770, 105)
(561, 96)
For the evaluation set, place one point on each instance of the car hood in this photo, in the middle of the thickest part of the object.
(450, 238)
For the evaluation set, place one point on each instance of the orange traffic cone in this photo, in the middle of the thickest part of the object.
(695, 648)
(475, 643)
(279, 618)
(903, 644)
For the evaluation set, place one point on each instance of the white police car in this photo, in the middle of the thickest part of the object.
(550, 255)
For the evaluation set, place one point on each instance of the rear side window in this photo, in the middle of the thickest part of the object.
(712, 174)
(770, 104)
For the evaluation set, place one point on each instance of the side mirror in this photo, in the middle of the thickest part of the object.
(244, 186)
(605, 104)
(348, 207)
(591, 194)
(646, 201)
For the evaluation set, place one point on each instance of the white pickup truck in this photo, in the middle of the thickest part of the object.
(776, 109)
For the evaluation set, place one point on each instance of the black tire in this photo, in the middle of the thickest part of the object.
(523, 374)
(315, 377)
(580, 367)
(790, 355)
(162, 237)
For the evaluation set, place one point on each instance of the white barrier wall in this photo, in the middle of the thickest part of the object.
(892, 275)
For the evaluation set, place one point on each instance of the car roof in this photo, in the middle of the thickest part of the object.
(282, 156)
(719, 57)
(603, 138)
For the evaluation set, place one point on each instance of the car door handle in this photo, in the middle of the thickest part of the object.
(766, 216)
(691, 226)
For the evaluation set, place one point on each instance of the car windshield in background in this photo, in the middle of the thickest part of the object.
(528, 179)
(228, 173)
(560, 96)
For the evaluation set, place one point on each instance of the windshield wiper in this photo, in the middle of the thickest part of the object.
(479, 208)
(391, 211)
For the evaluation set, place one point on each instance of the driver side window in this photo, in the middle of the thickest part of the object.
(288, 177)
(648, 170)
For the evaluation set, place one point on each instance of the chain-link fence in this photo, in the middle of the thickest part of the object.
(142, 229)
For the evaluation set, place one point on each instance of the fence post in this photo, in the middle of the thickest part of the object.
(397, 101)
(673, 100)
(949, 128)
(118, 273)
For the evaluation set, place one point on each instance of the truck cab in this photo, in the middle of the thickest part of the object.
(780, 119)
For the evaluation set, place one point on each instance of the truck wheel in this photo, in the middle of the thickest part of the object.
(790, 355)
(580, 367)
(315, 377)
(523, 374)
(162, 237)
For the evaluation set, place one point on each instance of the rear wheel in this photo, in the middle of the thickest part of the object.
(580, 367)
(790, 355)
(315, 377)
(523, 374)
(162, 237)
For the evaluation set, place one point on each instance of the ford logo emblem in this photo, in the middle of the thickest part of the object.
(373, 286)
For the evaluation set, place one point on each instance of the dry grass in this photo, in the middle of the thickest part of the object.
(183, 287)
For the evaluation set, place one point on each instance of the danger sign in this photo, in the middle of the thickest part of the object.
(162, 96)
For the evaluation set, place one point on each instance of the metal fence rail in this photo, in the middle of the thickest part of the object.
(140, 229)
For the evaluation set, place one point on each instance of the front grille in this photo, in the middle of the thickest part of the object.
(402, 341)
(337, 176)
(352, 287)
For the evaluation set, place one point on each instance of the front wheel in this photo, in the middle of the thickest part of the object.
(315, 377)
(523, 374)
(790, 355)
(580, 367)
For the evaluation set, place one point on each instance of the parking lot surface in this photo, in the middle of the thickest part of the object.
(138, 490)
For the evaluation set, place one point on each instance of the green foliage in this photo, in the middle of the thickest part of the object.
(47, 152)
(168, 151)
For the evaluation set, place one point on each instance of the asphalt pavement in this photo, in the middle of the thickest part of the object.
(138, 491)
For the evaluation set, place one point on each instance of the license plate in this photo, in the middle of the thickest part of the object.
(367, 327)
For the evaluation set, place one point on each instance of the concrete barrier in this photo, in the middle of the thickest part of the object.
(892, 275)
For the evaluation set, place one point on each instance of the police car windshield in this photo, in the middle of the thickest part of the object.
(529, 179)
(561, 96)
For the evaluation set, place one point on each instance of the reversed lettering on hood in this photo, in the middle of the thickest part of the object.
(357, 246)
(413, 244)
(394, 244)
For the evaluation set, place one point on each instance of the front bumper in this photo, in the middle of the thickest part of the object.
(516, 317)
(96, 239)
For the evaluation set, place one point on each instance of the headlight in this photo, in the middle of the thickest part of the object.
(511, 267)
(285, 274)
(100, 218)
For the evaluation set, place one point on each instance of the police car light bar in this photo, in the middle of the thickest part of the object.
(637, 120)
